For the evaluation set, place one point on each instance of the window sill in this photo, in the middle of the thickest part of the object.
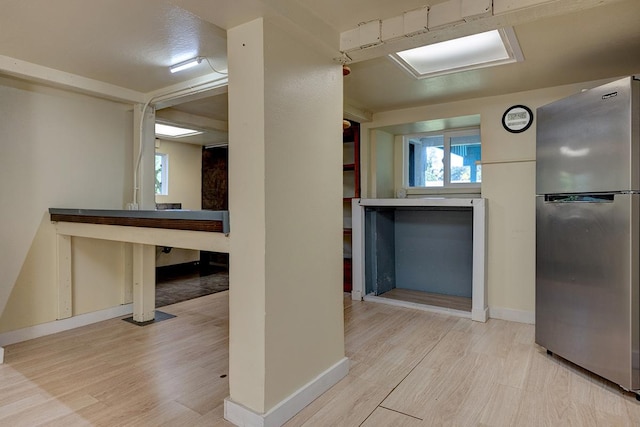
(443, 192)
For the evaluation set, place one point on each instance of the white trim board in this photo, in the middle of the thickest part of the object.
(1, 355)
(56, 326)
(185, 239)
(519, 316)
(417, 306)
(512, 315)
(278, 415)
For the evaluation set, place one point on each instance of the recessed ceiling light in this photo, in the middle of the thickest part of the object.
(174, 131)
(466, 53)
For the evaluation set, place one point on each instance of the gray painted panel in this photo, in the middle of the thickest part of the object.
(370, 269)
(386, 254)
(434, 250)
(379, 250)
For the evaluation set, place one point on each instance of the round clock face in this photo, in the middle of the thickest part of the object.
(517, 119)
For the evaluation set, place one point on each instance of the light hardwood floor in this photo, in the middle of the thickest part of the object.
(408, 368)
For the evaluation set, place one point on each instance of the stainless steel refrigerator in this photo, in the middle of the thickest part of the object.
(587, 230)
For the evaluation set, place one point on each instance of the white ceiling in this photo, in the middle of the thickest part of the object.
(131, 44)
(126, 43)
(592, 44)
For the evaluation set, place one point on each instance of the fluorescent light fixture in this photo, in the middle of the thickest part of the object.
(174, 131)
(186, 64)
(466, 53)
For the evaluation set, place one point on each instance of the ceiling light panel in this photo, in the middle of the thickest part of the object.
(174, 131)
(479, 50)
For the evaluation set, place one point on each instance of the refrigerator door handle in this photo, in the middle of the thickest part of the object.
(579, 198)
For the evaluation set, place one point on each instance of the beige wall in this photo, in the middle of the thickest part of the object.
(304, 221)
(508, 174)
(285, 154)
(185, 174)
(246, 154)
(383, 144)
(57, 150)
(185, 186)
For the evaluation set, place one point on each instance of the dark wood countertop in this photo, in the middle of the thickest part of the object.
(202, 220)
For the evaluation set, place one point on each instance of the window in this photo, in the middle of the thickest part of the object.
(445, 159)
(162, 174)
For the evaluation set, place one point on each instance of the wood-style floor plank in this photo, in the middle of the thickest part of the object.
(384, 417)
(428, 298)
(408, 368)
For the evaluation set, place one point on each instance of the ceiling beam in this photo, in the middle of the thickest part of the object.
(356, 114)
(191, 120)
(191, 90)
(63, 80)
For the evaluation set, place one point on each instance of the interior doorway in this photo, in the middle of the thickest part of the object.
(181, 282)
(215, 196)
(197, 174)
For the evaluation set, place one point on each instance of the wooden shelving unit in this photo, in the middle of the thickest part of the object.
(351, 190)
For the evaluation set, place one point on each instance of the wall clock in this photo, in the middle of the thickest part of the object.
(517, 119)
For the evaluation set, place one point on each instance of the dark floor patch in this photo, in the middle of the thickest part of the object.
(160, 316)
(188, 286)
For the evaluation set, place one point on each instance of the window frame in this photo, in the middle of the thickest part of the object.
(448, 186)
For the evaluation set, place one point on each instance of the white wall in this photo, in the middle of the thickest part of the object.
(57, 149)
(508, 173)
(185, 186)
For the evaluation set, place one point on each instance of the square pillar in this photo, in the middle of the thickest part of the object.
(285, 199)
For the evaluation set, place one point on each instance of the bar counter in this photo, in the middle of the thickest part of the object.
(144, 230)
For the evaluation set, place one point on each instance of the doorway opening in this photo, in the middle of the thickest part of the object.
(196, 174)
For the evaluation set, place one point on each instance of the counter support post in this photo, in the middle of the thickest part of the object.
(64, 276)
(144, 282)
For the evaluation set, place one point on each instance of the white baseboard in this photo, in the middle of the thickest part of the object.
(519, 316)
(418, 306)
(56, 326)
(481, 315)
(244, 417)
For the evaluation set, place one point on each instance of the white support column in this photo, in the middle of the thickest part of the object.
(63, 253)
(1, 355)
(480, 306)
(285, 203)
(126, 295)
(144, 260)
(144, 282)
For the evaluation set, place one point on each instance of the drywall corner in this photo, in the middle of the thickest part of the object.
(285, 410)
